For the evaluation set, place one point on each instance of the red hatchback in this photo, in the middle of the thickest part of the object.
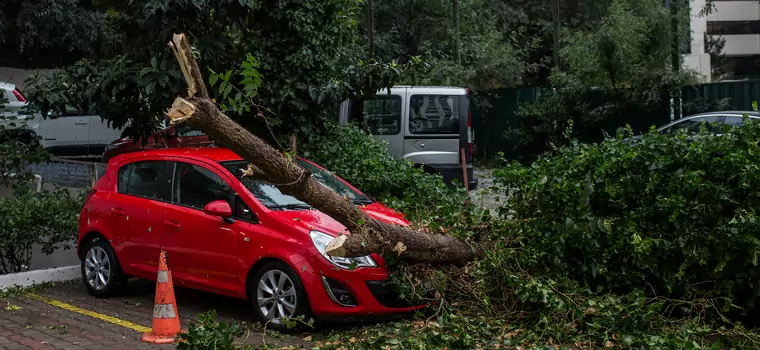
(224, 234)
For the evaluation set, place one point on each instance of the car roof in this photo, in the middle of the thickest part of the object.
(216, 154)
(7, 86)
(751, 114)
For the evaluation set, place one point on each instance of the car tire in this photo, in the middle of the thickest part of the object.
(101, 271)
(288, 291)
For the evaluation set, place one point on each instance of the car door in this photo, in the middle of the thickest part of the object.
(203, 249)
(433, 131)
(137, 213)
(382, 115)
(66, 134)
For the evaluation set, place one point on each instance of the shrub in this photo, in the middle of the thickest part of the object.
(671, 216)
(355, 156)
(48, 219)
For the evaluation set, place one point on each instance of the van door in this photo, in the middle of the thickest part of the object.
(66, 134)
(432, 133)
(382, 116)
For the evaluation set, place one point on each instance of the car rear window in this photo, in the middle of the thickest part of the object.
(269, 195)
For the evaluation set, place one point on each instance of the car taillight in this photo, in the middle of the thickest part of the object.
(469, 132)
(19, 95)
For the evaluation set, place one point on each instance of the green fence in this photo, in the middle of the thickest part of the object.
(499, 112)
(740, 94)
(490, 122)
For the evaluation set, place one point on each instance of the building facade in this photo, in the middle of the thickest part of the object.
(733, 28)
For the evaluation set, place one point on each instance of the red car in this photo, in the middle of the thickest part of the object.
(174, 136)
(224, 234)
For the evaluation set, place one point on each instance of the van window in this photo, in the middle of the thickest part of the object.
(382, 115)
(434, 114)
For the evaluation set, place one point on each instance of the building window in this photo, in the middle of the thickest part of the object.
(733, 27)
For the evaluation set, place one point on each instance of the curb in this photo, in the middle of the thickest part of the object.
(30, 278)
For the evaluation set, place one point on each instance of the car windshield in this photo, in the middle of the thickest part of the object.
(271, 197)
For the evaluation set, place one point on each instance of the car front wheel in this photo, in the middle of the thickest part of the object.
(278, 297)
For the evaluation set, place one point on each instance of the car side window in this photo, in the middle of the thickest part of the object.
(434, 114)
(149, 179)
(692, 125)
(197, 186)
(188, 131)
(733, 120)
(241, 211)
(382, 115)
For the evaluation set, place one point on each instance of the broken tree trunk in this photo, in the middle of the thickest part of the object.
(366, 234)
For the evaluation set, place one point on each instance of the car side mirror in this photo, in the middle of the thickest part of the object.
(219, 208)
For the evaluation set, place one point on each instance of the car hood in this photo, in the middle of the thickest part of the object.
(309, 220)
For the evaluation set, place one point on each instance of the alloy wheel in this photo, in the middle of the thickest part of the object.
(97, 268)
(276, 296)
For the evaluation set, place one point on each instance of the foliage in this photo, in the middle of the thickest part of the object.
(48, 219)
(53, 33)
(207, 333)
(720, 67)
(19, 147)
(493, 55)
(298, 45)
(672, 216)
(617, 74)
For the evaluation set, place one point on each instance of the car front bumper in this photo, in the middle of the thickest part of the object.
(362, 293)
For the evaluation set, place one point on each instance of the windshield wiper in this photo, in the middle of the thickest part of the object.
(362, 201)
(292, 206)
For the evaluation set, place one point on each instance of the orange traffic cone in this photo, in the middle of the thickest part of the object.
(165, 316)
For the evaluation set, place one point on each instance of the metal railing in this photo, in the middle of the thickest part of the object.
(69, 173)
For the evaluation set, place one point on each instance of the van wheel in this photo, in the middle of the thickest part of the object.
(101, 272)
(278, 295)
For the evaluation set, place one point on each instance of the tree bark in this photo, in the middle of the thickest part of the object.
(367, 235)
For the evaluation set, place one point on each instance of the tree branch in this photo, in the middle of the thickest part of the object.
(367, 234)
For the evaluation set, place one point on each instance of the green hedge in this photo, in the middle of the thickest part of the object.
(49, 219)
(668, 215)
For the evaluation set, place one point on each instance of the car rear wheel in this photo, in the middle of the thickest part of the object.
(101, 271)
(278, 297)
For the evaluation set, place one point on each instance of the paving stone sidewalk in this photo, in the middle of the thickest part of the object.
(28, 323)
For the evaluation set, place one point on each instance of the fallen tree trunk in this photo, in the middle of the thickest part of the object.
(366, 234)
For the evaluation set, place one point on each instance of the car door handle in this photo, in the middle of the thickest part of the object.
(80, 122)
(172, 224)
(117, 212)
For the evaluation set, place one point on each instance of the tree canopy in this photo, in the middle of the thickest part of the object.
(112, 59)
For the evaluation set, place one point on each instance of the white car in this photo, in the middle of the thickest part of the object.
(67, 134)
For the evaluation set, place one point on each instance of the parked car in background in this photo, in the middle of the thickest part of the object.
(224, 234)
(711, 119)
(172, 136)
(69, 134)
(425, 124)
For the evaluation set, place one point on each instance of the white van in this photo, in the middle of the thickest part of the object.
(427, 125)
(68, 134)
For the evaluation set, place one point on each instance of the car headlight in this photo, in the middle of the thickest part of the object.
(321, 240)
